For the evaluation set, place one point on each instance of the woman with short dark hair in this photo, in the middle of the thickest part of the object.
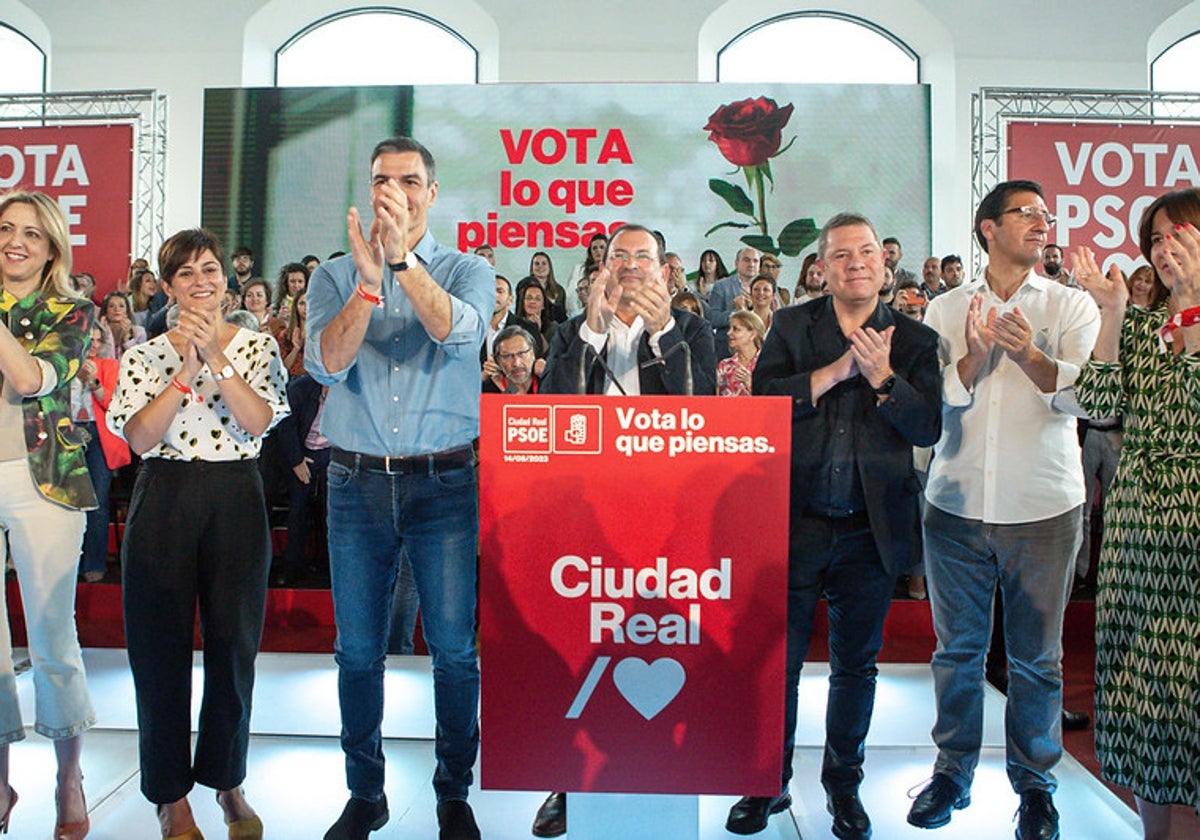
(195, 403)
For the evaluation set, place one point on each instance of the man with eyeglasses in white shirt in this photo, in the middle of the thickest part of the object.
(1005, 497)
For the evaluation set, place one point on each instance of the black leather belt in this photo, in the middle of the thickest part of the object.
(405, 465)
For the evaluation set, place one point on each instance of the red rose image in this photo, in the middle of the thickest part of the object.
(748, 132)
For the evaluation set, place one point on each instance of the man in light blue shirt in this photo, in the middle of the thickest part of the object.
(395, 330)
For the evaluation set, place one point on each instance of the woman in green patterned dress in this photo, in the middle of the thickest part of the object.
(1146, 367)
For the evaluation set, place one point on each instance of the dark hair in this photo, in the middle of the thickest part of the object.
(722, 271)
(1054, 245)
(524, 287)
(116, 296)
(554, 292)
(401, 144)
(506, 282)
(992, 206)
(184, 246)
(1181, 206)
(841, 220)
(951, 258)
(241, 251)
(336, 254)
(632, 228)
(588, 262)
(281, 282)
(804, 267)
(891, 240)
(294, 312)
(514, 331)
(767, 278)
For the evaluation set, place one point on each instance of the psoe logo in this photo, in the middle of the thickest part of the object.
(577, 429)
(527, 429)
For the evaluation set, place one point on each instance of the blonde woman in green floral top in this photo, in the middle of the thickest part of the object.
(195, 403)
(1146, 367)
(46, 488)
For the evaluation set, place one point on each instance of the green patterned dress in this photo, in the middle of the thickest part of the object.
(1148, 594)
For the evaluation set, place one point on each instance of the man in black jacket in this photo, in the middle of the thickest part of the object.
(628, 338)
(865, 389)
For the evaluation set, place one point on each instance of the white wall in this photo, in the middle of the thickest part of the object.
(181, 48)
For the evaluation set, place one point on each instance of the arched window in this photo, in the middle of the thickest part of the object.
(22, 63)
(817, 47)
(375, 47)
(1174, 71)
(1175, 67)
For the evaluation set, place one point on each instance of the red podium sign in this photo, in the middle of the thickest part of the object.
(633, 584)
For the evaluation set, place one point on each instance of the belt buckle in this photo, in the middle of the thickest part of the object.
(387, 464)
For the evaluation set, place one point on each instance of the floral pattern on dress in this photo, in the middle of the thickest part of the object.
(56, 330)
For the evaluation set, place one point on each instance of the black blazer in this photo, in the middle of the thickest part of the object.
(304, 398)
(667, 377)
(884, 433)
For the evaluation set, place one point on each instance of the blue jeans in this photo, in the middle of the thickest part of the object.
(837, 557)
(95, 538)
(965, 561)
(434, 517)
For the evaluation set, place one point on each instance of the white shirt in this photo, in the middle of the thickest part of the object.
(1007, 454)
(622, 341)
(204, 430)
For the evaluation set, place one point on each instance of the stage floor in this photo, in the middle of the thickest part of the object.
(296, 779)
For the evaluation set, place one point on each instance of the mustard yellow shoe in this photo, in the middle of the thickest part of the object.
(251, 829)
(191, 834)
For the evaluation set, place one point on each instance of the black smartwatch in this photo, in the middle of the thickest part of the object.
(886, 386)
(400, 266)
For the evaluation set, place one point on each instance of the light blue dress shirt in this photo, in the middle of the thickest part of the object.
(405, 393)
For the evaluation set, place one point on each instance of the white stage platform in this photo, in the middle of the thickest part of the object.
(296, 779)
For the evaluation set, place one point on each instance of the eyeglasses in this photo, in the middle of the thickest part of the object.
(641, 257)
(512, 357)
(1031, 212)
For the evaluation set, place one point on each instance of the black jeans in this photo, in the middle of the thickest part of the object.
(196, 532)
(837, 557)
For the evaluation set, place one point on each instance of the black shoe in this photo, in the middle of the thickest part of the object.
(750, 813)
(551, 819)
(1075, 721)
(932, 807)
(1037, 818)
(456, 821)
(359, 818)
(850, 820)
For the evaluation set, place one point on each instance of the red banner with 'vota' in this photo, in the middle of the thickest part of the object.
(633, 588)
(88, 169)
(1100, 177)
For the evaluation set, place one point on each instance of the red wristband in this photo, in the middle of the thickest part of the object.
(368, 297)
(183, 389)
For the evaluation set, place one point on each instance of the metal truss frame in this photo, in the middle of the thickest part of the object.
(992, 109)
(145, 110)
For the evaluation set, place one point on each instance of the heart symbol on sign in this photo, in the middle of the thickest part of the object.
(649, 687)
